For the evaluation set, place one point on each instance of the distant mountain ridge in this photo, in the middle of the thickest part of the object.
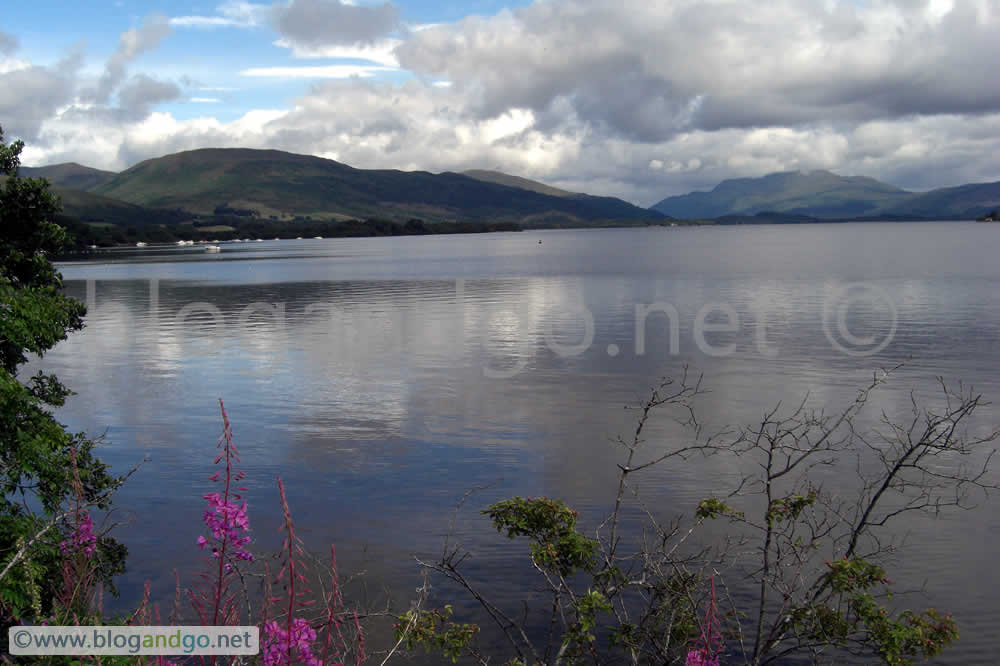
(965, 201)
(280, 185)
(285, 185)
(823, 194)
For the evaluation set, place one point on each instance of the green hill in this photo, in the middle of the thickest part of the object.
(69, 174)
(93, 208)
(285, 185)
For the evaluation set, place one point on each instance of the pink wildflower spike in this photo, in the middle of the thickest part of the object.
(228, 524)
(83, 539)
(709, 644)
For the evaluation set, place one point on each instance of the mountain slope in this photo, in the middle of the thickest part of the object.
(93, 208)
(963, 202)
(501, 178)
(69, 174)
(285, 185)
(818, 194)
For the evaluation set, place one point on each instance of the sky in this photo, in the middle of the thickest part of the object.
(639, 99)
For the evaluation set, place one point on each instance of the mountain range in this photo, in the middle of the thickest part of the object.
(282, 186)
(276, 185)
(826, 195)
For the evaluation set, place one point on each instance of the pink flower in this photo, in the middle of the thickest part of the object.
(278, 643)
(83, 538)
(227, 522)
(710, 643)
(700, 658)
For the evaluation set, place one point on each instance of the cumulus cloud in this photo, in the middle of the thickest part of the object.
(35, 93)
(648, 71)
(323, 23)
(43, 99)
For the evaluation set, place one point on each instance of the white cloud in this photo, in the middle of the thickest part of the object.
(648, 71)
(8, 65)
(204, 22)
(206, 100)
(317, 72)
(381, 52)
(233, 14)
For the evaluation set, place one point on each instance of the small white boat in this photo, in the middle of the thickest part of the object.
(260, 240)
(317, 238)
(276, 238)
(140, 244)
(213, 248)
(91, 247)
(298, 238)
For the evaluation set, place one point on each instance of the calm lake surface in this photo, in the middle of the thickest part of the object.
(383, 378)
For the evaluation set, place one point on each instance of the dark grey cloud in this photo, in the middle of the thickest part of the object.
(319, 23)
(8, 43)
(131, 45)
